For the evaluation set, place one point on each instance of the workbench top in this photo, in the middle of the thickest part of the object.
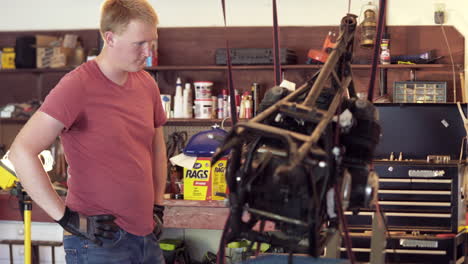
(178, 213)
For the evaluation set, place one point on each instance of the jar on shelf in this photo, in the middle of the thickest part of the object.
(384, 53)
(8, 58)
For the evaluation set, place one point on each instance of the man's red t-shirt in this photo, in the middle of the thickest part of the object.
(107, 140)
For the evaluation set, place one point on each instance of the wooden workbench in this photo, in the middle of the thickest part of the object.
(178, 213)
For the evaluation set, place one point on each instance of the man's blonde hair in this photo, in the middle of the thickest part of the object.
(117, 14)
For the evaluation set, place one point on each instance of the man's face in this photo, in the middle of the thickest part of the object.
(131, 48)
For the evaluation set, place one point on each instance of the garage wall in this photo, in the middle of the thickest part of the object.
(84, 14)
(72, 14)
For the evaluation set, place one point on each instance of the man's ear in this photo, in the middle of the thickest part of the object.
(109, 38)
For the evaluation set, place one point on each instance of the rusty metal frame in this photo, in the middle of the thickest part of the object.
(341, 53)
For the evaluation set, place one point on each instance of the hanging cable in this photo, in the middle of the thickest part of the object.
(339, 202)
(231, 89)
(452, 62)
(276, 46)
(375, 56)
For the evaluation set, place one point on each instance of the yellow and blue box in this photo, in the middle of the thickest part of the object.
(203, 181)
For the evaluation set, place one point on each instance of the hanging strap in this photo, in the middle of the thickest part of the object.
(276, 58)
(232, 93)
(378, 38)
(276, 46)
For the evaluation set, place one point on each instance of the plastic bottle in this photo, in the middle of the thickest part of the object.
(241, 113)
(247, 99)
(248, 108)
(178, 100)
(187, 102)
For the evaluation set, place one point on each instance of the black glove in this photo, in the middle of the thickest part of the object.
(158, 216)
(91, 227)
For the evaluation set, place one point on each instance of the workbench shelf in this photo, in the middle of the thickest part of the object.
(193, 203)
(291, 67)
(240, 67)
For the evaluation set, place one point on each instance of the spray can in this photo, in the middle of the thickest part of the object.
(214, 107)
(255, 101)
(226, 108)
(238, 101)
(220, 106)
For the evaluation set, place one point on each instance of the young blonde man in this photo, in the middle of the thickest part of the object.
(109, 115)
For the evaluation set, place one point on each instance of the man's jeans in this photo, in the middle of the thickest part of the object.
(124, 248)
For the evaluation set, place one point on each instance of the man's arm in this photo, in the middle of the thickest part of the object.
(159, 166)
(36, 135)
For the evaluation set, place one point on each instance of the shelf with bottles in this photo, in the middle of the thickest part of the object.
(290, 67)
(234, 67)
(240, 67)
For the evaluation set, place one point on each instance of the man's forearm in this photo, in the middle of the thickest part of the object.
(159, 166)
(160, 183)
(36, 183)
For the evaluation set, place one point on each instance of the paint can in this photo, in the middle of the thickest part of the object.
(203, 89)
(203, 108)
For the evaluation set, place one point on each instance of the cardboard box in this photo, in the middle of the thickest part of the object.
(50, 57)
(203, 181)
(50, 53)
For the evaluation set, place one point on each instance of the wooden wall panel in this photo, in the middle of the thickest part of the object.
(18, 87)
(49, 81)
(8, 132)
(196, 46)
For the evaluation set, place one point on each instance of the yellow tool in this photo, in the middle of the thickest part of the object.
(8, 180)
(405, 62)
(7, 176)
(463, 228)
